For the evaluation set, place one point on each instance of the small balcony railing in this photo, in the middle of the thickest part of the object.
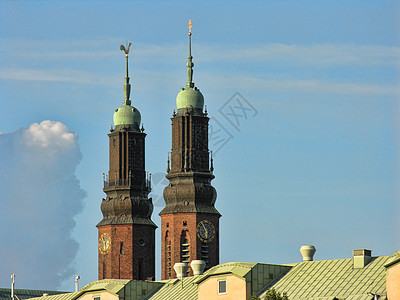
(126, 182)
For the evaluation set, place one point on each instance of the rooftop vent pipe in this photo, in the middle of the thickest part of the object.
(198, 267)
(307, 251)
(181, 269)
(12, 286)
(77, 277)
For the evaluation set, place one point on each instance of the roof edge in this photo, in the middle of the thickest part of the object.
(393, 261)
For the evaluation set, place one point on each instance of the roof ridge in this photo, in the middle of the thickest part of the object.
(115, 281)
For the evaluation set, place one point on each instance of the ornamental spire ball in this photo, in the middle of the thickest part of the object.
(190, 97)
(127, 115)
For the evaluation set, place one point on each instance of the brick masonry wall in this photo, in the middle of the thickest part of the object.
(173, 223)
(135, 261)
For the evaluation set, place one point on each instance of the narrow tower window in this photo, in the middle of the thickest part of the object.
(168, 255)
(121, 248)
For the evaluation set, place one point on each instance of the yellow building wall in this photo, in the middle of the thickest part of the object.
(235, 288)
(104, 295)
(393, 282)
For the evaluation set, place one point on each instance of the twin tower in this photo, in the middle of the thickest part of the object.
(189, 220)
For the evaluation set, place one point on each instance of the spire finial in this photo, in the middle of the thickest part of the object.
(190, 64)
(190, 24)
(127, 86)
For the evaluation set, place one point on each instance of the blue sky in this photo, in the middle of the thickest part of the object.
(316, 162)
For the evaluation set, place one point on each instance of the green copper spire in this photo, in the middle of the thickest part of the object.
(190, 97)
(190, 64)
(127, 86)
(127, 116)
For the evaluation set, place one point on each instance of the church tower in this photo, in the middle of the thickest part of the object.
(126, 232)
(189, 220)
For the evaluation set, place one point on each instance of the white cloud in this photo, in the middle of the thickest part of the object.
(40, 198)
(49, 133)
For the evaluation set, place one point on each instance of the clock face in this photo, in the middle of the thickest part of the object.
(205, 231)
(104, 243)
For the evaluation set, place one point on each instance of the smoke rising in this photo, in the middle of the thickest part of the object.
(39, 197)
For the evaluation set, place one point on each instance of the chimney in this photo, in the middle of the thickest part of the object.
(181, 269)
(307, 251)
(361, 258)
(198, 267)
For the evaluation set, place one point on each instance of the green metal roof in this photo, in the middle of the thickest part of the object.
(327, 279)
(127, 115)
(237, 268)
(262, 275)
(177, 289)
(315, 280)
(125, 289)
(140, 290)
(394, 259)
(258, 274)
(66, 296)
(25, 294)
(189, 98)
(111, 285)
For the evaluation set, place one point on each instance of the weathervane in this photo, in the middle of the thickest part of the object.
(190, 24)
(126, 50)
(127, 86)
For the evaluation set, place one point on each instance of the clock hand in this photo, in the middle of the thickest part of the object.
(205, 229)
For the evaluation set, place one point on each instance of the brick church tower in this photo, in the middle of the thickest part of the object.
(126, 232)
(189, 221)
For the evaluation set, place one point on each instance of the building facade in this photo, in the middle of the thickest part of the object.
(126, 232)
(189, 220)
